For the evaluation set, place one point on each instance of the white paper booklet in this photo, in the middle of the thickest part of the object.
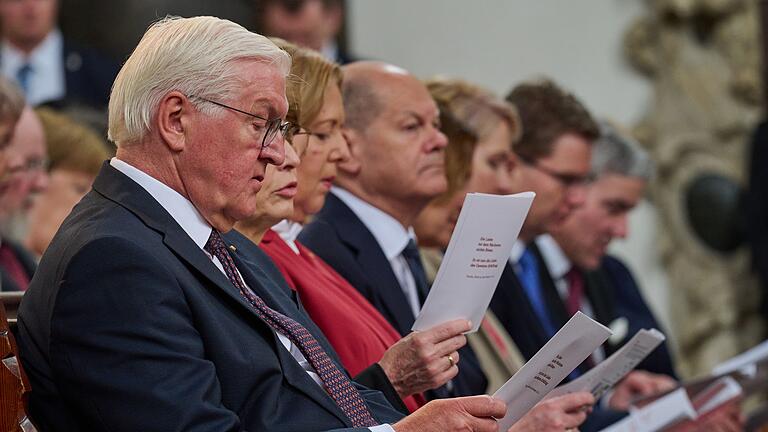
(657, 415)
(745, 362)
(479, 248)
(570, 346)
(605, 375)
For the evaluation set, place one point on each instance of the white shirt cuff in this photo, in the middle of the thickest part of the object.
(382, 428)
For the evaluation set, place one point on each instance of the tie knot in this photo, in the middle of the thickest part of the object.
(215, 244)
(574, 274)
(411, 251)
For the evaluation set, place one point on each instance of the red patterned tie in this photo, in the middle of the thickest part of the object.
(336, 383)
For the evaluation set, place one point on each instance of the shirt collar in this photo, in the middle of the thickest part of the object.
(557, 263)
(45, 55)
(388, 232)
(518, 248)
(181, 209)
(288, 231)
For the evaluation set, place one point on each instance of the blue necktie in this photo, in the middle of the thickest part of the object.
(529, 278)
(23, 75)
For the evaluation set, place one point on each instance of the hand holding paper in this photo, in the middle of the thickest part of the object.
(477, 252)
(570, 346)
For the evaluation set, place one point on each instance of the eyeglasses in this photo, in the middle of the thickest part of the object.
(271, 128)
(567, 180)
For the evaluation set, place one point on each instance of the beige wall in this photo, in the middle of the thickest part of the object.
(498, 43)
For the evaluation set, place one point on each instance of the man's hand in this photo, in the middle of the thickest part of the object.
(420, 361)
(558, 414)
(638, 384)
(474, 413)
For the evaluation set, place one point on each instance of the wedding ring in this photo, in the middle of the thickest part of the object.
(450, 360)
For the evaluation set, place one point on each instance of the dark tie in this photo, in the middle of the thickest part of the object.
(22, 76)
(336, 383)
(10, 264)
(412, 257)
(529, 278)
(575, 290)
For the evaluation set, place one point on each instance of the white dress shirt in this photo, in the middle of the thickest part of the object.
(288, 231)
(186, 215)
(392, 238)
(47, 78)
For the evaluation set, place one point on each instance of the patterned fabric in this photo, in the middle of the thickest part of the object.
(336, 383)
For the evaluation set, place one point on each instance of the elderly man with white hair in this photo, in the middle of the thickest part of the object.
(146, 312)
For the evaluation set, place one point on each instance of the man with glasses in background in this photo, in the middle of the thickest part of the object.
(148, 312)
(25, 176)
(554, 162)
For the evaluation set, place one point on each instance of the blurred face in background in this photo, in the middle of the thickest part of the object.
(585, 235)
(49, 209)
(26, 163)
(27, 22)
(559, 183)
(492, 163)
(306, 23)
(326, 147)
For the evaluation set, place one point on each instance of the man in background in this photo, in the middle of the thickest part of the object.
(15, 268)
(315, 24)
(49, 68)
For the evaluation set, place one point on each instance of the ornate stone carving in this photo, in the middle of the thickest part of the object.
(703, 61)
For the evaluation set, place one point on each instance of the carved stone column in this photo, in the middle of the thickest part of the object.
(703, 61)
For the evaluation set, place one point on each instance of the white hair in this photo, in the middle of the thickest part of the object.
(191, 55)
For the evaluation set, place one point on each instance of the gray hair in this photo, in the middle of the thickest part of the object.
(617, 153)
(190, 55)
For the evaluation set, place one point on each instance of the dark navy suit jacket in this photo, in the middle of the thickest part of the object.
(340, 238)
(129, 326)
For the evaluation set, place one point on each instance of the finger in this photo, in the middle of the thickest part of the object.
(483, 406)
(574, 401)
(445, 376)
(484, 425)
(452, 359)
(447, 330)
(450, 345)
(574, 419)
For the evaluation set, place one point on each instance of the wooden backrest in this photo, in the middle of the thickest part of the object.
(14, 385)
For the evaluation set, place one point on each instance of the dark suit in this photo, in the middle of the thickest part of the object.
(129, 326)
(613, 293)
(24, 258)
(341, 239)
(514, 311)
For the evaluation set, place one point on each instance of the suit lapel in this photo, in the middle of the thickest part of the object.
(255, 278)
(120, 189)
(555, 305)
(373, 264)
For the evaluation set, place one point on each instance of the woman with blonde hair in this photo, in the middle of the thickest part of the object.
(481, 131)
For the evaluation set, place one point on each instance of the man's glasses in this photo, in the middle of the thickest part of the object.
(271, 128)
(567, 180)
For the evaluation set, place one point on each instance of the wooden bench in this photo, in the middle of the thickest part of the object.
(14, 385)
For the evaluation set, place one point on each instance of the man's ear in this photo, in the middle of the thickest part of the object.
(351, 166)
(173, 119)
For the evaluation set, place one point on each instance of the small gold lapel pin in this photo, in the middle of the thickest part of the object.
(232, 248)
